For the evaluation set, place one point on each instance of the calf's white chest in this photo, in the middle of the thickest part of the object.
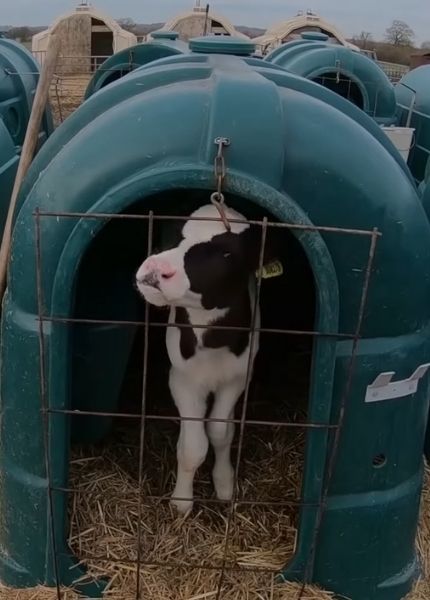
(208, 368)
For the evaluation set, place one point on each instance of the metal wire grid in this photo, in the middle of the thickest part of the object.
(243, 422)
(72, 76)
(394, 71)
(67, 93)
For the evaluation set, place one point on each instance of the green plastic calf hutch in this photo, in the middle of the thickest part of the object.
(164, 43)
(9, 159)
(165, 34)
(425, 197)
(307, 158)
(342, 70)
(413, 102)
(19, 74)
(305, 37)
(18, 82)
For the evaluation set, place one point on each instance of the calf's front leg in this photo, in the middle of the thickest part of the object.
(193, 443)
(221, 436)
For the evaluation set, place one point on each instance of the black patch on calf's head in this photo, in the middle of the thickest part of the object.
(219, 269)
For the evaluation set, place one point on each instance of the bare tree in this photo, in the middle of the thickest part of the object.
(400, 34)
(426, 45)
(364, 38)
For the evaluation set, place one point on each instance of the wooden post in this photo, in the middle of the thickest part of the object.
(205, 31)
(31, 138)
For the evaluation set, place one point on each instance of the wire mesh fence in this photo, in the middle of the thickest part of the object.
(73, 74)
(394, 71)
(120, 525)
(67, 93)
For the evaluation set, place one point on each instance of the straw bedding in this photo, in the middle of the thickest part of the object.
(260, 538)
(422, 589)
(104, 522)
(104, 514)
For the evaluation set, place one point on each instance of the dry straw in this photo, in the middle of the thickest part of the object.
(104, 523)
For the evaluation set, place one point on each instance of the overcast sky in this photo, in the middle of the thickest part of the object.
(352, 16)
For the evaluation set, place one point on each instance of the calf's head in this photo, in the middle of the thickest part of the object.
(209, 266)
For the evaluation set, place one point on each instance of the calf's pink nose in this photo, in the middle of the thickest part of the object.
(161, 267)
(167, 274)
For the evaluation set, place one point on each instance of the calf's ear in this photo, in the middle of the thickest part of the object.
(272, 246)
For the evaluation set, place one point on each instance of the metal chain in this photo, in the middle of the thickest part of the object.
(217, 198)
(130, 60)
(338, 66)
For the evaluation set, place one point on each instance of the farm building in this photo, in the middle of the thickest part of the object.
(197, 22)
(292, 29)
(420, 58)
(85, 33)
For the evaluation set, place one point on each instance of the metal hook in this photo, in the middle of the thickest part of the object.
(217, 199)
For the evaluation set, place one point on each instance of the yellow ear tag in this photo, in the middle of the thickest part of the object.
(273, 269)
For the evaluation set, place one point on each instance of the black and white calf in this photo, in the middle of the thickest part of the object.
(207, 279)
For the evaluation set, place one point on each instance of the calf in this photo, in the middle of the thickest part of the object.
(207, 279)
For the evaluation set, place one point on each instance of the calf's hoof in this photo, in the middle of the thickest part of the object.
(184, 507)
(224, 485)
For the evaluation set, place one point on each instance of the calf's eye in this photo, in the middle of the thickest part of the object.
(227, 254)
